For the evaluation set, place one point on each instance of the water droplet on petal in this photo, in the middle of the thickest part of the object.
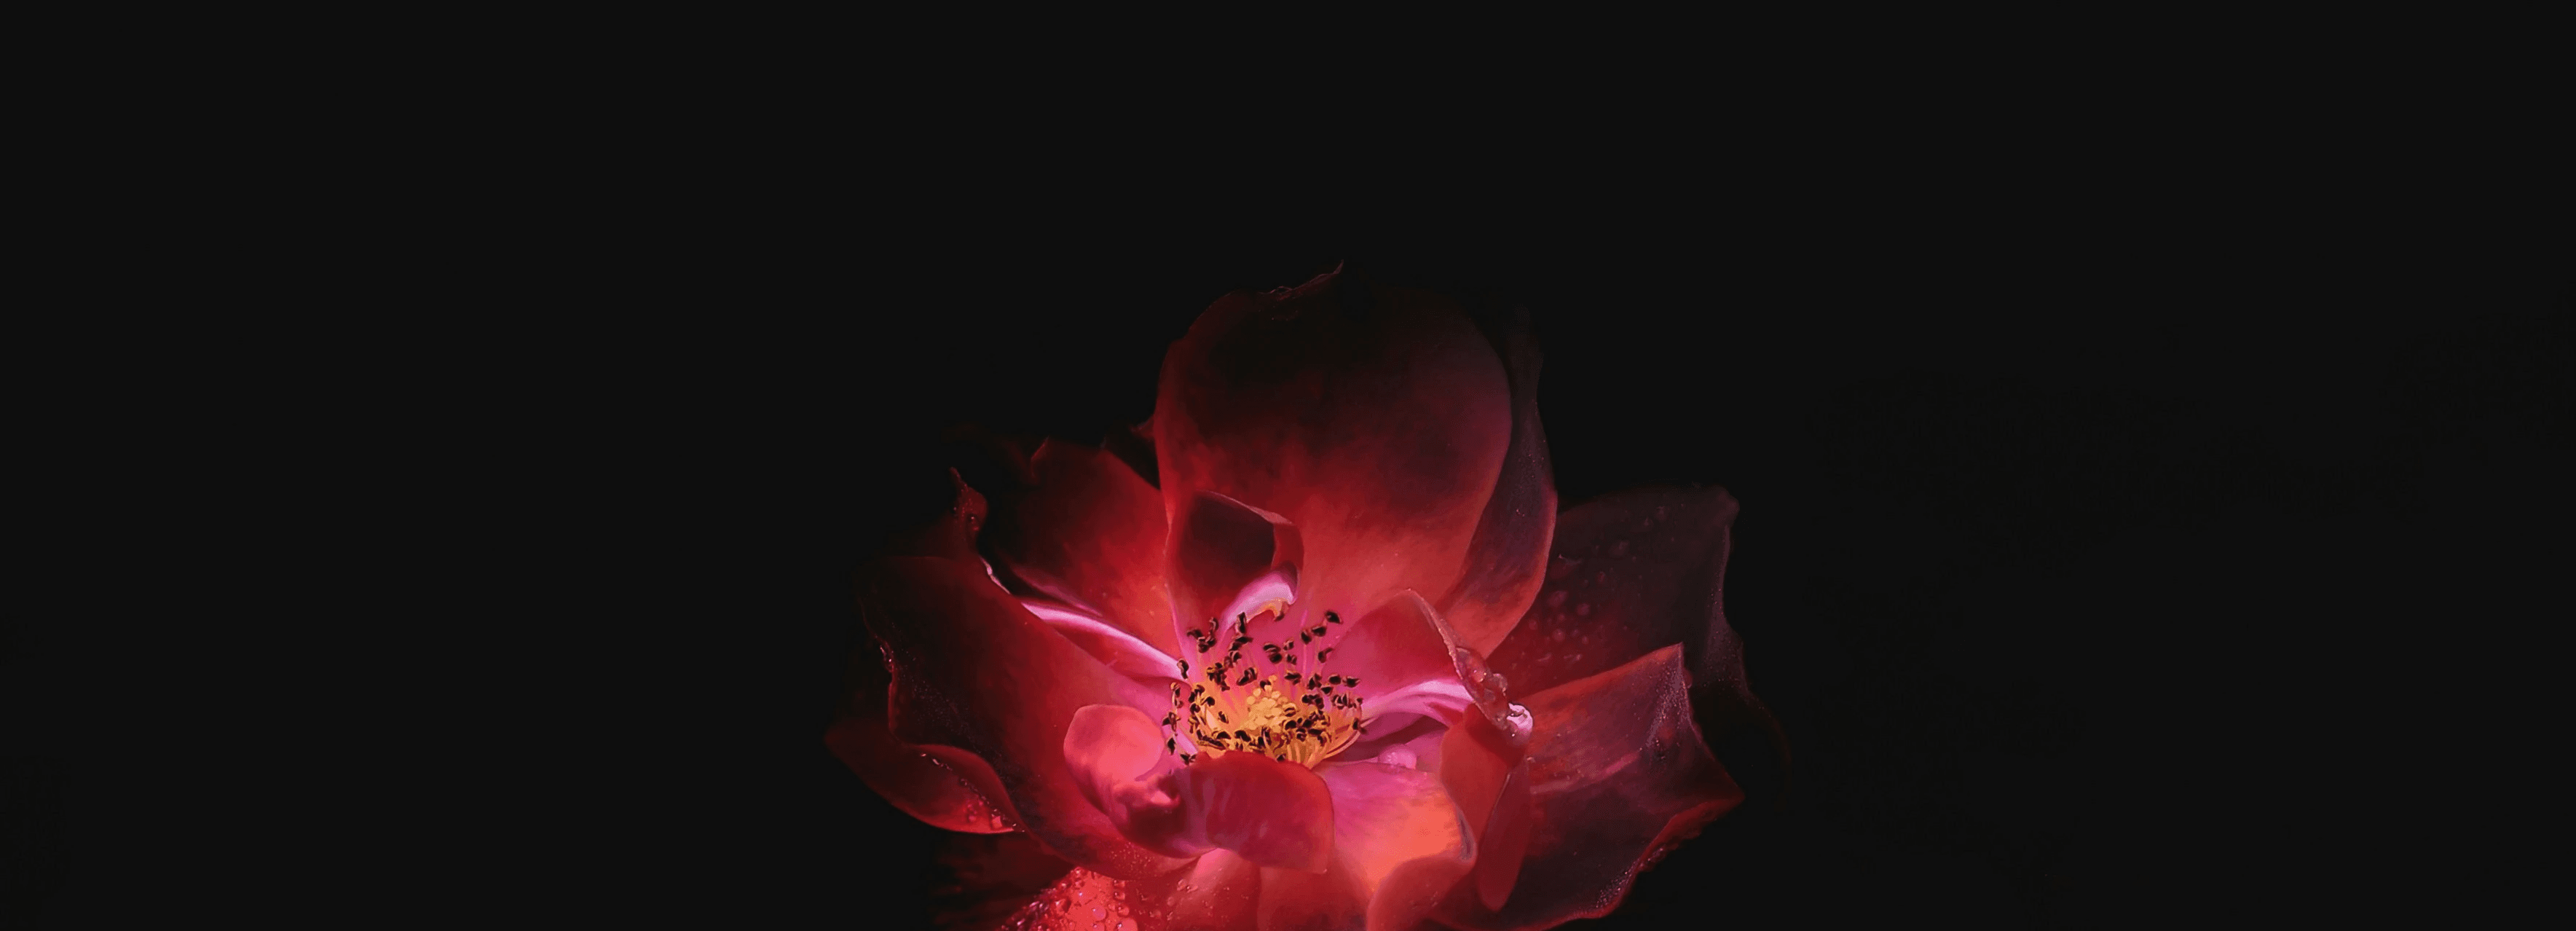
(1583, 610)
(1619, 549)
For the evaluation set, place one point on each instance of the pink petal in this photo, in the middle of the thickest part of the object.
(974, 670)
(1508, 557)
(1400, 837)
(1487, 772)
(1116, 755)
(1112, 645)
(1270, 812)
(1374, 419)
(1225, 557)
(1403, 657)
(1399, 844)
(1090, 534)
(1618, 774)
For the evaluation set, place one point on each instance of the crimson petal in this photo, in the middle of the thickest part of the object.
(1374, 419)
(1508, 558)
(1090, 534)
(1220, 547)
(943, 786)
(1632, 572)
(1405, 659)
(1398, 845)
(1618, 774)
(975, 670)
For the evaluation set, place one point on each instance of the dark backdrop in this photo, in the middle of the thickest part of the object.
(2093, 574)
(2101, 560)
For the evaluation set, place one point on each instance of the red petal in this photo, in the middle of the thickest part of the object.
(1116, 754)
(1632, 572)
(1399, 836)
(1221, 547)
(1217, 894)
(974, 670)
(943, 786)
(1403, 658)
(1618, 773)
(1090, 534)
(1270, 812)
(1508, 557)
(1488, 774)
(1113, 646)
(1375, 419)
(1399, 844)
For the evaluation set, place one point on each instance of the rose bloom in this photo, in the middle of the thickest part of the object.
(1339, 663)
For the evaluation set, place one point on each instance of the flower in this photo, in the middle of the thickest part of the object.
(1338, 663)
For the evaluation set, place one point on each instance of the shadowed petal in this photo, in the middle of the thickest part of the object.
(975, 670)
(1375, 419)
(1108, 643)
(943, 786)
(1618, 773)
(1400, 837)
(1508, 557)
(1225, 556)
(1487, 772)
(1399, 844)
(1090, 534)
(1218, 893)
(1404, 657)
(1270, 812)
(1631, 573)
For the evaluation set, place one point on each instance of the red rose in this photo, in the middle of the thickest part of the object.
(1347, 667)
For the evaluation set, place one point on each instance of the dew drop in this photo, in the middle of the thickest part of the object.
(1602, 577)
(1557, 635)
(1583, 610)
(1098, 913)
(1619, 549)
(1556, 598)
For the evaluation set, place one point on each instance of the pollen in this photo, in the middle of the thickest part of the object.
(1278, 712)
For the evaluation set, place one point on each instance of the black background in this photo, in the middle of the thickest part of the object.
(2105, 559)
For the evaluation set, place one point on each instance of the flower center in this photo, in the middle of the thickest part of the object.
(1298, 712)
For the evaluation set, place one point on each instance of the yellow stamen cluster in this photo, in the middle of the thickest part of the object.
(1298, 713)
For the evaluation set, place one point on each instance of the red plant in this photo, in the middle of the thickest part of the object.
(1346, 666)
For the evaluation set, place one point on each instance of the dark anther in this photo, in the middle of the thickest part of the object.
(1330, 616)
(1353, 682)
(1319, 630)
(1325, 655)
(1170, 745)
(1221, 717)
(1302, 637)
(1336, 680)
